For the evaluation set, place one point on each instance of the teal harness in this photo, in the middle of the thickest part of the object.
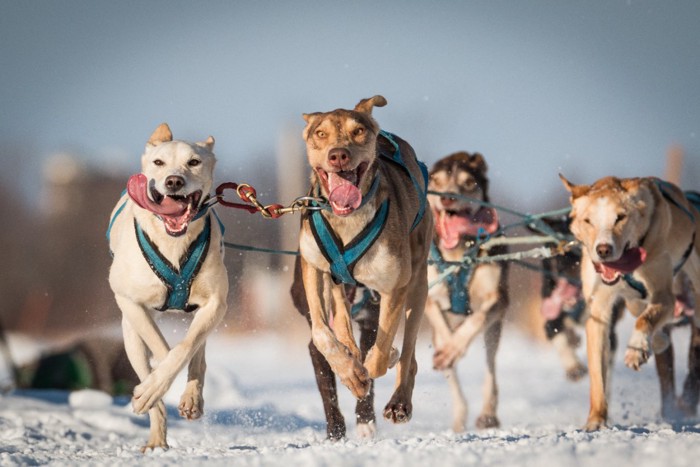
(342, 258)
(178, 281)
(457, 284)
(179, 284)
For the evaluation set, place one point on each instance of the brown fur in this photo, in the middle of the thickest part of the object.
(465, 174)
(627, 213)
(395, 265)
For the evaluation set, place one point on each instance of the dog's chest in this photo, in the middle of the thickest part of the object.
(378, 269)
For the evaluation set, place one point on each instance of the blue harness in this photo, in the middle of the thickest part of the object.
(178, 284)
(457, 284)
(342, 258)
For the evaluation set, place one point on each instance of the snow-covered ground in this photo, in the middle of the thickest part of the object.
(262, 408)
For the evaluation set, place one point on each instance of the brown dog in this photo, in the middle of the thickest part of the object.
(637, 234)
(472, 299)
(376, 232)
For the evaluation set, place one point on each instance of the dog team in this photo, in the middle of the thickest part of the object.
(386, 229)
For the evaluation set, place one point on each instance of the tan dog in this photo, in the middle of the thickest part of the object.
(470, 300)
(168, 255)
(376, 232)
(636, 235)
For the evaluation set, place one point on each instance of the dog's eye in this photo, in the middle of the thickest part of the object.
(194, 162)
(321, 134)
(587, 221)
(620, 218)
(359, 131)
(158, 162)
(470, 185)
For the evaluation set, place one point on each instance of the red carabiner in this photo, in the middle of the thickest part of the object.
(232, 186)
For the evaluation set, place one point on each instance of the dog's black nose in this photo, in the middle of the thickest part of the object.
(604, 250)
(338, 157)
(174, 183)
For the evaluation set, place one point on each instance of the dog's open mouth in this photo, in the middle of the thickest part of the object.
(343, 188)
(176, 211)
(612, 271)
(451, 225)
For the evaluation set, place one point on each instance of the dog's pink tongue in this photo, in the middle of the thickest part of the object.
(137, 187)
(628, 262)
(342, 193)
(450, 228)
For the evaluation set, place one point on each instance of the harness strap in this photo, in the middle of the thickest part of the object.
(177, 283)
(457, 284)
(421, 188)
(342, 258)
(664, 187)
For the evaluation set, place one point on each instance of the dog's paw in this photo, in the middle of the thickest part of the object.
(635, 357)
(152, 447)
(446, 356)
(394, 357)
(576, 372)
(355, 377)
(366, 430)
(486, 421)
(191, 405)
(397, 411)
(377, 364)
(595, 423)
(148, 393)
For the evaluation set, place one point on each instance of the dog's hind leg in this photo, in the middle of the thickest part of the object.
(325, 378)
(364, 408)
(667, 385)
(192, 403)
(138, 354)
(691, 387)
(492, 338)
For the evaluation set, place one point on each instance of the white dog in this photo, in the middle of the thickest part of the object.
(167, 248)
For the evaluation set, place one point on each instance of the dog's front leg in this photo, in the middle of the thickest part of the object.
(598, 328)
(158, 382)
(342, 321)
(192, 403)
(647, 326)
(138, 354)
(349, 369)
(379, 357)
(399, 409)
(441, 330)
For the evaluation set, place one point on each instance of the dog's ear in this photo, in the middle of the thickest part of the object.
(575, 190)
(161, 135)
(477, 163)
(631, 184)
(366, 105)
(208, 144)
(310, 119)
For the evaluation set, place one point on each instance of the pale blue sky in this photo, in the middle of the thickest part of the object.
(538, 86)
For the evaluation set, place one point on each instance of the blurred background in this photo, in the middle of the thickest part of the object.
(588, 89)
